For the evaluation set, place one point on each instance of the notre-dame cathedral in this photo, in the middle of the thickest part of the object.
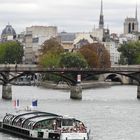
(131, 24)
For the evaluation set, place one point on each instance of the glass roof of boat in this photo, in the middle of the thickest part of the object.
(34, 115)
(41, 118)
(31, 116)
(28, 114)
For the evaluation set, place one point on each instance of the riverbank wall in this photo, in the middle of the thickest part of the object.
(84, 85)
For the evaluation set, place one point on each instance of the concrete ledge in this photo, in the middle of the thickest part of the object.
(7, 92)
(84, 85)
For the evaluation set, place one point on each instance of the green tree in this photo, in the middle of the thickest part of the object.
(138, 60)
(130, 53)
(72, 60)
(50, 60)
(11, 52)
(50, 57)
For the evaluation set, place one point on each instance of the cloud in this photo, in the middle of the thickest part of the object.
(68, 15)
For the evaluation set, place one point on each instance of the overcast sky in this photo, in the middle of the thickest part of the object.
(67, 15)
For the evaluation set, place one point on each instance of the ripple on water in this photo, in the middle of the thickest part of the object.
(111, 113)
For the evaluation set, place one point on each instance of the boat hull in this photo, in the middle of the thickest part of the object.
(23, 136)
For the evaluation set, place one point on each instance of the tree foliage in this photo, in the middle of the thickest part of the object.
(73, 60)
(130, 53)
(96, 55)
(51, 45)
(50, 60)
(51, 51)
(11, 52)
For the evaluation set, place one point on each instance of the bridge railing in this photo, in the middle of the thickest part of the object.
(36, 68)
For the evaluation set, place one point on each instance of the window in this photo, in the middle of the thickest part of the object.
(133, 26)
(35, 40)
(67, 122)
(129, 28)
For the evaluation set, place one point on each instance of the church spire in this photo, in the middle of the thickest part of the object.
(101, 20)
(101, 7)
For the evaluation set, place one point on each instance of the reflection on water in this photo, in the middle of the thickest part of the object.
(111, 113)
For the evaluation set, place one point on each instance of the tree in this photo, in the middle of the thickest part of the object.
(11, 52)
(90, 55)
(96, 55)
(130, 53)
(51, 45)
(50, 60)
(72, 60)
(51, 51)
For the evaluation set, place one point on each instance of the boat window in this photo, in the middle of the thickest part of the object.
(8, 118)
(28, 124)
(67, 122)
(18, 121)
(46, 124)
(25, 123)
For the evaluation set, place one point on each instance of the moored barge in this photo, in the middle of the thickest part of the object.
(44, 126)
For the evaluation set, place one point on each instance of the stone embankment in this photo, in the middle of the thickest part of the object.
(85, 85)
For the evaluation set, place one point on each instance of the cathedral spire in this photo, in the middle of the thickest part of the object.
(101, 20)
(101, 7)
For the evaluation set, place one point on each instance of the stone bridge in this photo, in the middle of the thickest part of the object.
(9, 72)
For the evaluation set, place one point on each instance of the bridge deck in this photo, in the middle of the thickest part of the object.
(35, 68)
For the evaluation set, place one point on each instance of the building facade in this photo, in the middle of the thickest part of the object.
(131, 25)
(112, 48)
(33, 39)
(67, 40)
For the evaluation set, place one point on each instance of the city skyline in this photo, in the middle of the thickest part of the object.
(67, 15)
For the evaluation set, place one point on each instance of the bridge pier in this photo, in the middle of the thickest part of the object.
(76, 92)
(138, 91)
(7, 92)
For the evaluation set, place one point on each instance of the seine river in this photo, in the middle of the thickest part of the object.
(111, 113)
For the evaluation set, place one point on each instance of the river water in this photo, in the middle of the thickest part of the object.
(110, 113)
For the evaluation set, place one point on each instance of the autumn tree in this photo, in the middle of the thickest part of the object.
(51, 50)
(51, 45)
(96, 55)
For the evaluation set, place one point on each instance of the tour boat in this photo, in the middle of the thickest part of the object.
(44, 126)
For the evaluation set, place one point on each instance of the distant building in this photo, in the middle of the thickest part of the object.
(124, 38)
(8, 33)
(86, 36)
(101, 34)
(67, 40)
(112, 48)
(83, 39)
(131, 24)
(80, 43)
(34, 37)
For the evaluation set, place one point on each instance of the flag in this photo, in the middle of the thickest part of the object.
(16, 103)
(34, 103)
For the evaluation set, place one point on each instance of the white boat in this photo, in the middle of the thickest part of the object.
(44, 126)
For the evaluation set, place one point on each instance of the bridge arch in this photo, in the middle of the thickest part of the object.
(114, 78)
